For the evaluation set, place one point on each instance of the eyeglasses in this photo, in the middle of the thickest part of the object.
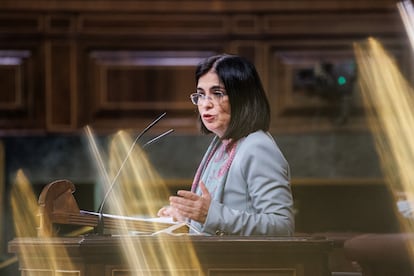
(198, 98)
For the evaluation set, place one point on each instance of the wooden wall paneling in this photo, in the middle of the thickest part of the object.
(20, 23)
(153, 24)
(2, 193)
(296, 106)
(61, 85)
(82, 88)
(247, 24)
(130, 87)
(137, 86)
(255, 51)
(333, 23)
(21, 96)
(247, 49)
(11, 72)
(142, 65)
(60, 24)
(305, 94)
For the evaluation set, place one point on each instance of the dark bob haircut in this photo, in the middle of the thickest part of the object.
(250, 110)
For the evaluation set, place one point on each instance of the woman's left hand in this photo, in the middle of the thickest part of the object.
(191, 205)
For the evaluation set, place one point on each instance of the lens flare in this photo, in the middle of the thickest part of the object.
(388, 100)
(136, 190)
(139, 191)
(25, 209)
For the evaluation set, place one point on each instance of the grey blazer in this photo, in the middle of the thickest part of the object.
(256, 198)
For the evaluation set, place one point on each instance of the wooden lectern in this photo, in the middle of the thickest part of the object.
(215, 256)
(162, 254)
(58, 206)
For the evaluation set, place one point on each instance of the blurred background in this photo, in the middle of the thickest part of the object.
(118, 64)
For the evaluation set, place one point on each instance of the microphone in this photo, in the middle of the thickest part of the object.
(157, 138)
(100, 225)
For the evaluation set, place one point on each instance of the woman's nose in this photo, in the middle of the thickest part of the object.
(207, 101)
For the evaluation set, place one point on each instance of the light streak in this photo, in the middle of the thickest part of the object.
(406, 11)
(25, 210)
(388, 101)
(140, 191)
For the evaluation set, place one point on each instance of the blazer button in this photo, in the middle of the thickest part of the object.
(220, 233)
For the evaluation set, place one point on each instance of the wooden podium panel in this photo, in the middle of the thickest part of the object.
(171, 255)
